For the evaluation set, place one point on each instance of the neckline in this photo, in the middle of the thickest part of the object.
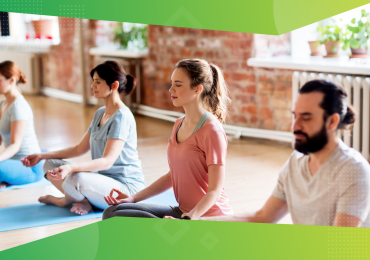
(330, 158)
(11, 104)
(193, 134)
(99, 126)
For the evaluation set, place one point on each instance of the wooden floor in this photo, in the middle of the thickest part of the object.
(251, 171)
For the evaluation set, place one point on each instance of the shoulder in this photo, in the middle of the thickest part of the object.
(213, 133)
(100, 110)
(20, 102)
(351, 162)
(123, 116)
(124, 113)
(20, 105)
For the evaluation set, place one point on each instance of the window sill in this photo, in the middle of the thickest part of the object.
(316, 64)
(29, 46)
(118, 53)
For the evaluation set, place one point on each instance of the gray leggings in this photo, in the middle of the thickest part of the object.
(141, 210)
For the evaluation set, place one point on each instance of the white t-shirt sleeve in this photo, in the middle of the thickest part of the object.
(354, 198)
(19, 111)
(279, 191)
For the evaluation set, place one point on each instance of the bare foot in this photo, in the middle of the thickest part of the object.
(2, 185)
(82, 207)
(51, 200)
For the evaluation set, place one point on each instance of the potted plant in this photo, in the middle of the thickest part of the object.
(43, 28)
(330, 36)
(317, 49)
(136, 34)
(357, 35)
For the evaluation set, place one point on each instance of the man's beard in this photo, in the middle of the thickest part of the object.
(312, 144)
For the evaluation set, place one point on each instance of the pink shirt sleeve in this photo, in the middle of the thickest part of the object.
(215, 147)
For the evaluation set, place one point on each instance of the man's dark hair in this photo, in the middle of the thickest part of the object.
(334, 101)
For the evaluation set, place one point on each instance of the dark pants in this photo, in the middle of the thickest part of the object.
(141, 210)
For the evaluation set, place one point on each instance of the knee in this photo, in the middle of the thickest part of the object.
(109, 212)
(48, 165)
(73, 179)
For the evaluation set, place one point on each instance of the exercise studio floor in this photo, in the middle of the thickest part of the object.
(251, 171)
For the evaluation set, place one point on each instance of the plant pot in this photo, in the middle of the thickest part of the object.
(358, 53)
(43, 28)
(359, 50)
(316, 48)
(332, 48)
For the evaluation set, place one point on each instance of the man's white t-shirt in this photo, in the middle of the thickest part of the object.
(341, 185)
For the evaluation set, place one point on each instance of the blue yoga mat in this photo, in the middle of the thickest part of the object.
(35, 215)
(42, 182)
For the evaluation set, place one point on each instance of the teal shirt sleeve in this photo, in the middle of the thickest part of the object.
(120, 127)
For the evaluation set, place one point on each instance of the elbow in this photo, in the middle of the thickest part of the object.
(107, 165)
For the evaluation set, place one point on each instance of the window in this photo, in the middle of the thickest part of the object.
(301, 36)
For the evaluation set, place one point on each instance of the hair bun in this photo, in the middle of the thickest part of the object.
(130, 84)
(348, 119)
(22, 78)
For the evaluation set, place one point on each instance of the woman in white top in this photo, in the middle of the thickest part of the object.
(16, 130)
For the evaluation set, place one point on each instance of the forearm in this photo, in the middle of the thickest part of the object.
(66, 153)
(204, 204)
(246, 217)
(162, 184)
(9, 152)
(99, 164)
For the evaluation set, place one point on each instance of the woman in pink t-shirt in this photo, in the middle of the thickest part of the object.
(196, 151)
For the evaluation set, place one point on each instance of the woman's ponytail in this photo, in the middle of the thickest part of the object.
(217, 98)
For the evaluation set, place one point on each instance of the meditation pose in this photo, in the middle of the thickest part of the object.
(16, 130)
(324, 182)
(112, 140)
(196, 151)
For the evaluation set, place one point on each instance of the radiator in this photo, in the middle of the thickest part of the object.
(28, 64)
(358, 91)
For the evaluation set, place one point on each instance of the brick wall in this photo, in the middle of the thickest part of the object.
(61, 66)
(260, 97)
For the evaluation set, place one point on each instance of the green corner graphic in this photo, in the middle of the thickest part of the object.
(272, 17)
(138, 238)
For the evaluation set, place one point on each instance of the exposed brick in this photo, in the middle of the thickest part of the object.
(232, 65)
(278, 103)
(240, 76)
(280, 94)
(190, 43)
(265, 112)
(185, 52)
(250, 109)
(269, 124)
(250, 89)
(239, 119)
(283, 113)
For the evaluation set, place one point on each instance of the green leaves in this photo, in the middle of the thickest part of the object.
(354, 35)
(329, 33)
(137, 35)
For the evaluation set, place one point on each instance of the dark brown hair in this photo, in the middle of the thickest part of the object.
(215, 93)
(112, 71)
(9, 69)
(334, 101)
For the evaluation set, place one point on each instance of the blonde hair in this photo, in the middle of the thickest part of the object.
(215, 93)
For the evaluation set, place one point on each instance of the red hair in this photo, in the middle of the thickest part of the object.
(9, 69)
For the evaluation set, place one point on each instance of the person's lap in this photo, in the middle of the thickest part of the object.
(13, 172)
(90, 185)
(144, 210)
